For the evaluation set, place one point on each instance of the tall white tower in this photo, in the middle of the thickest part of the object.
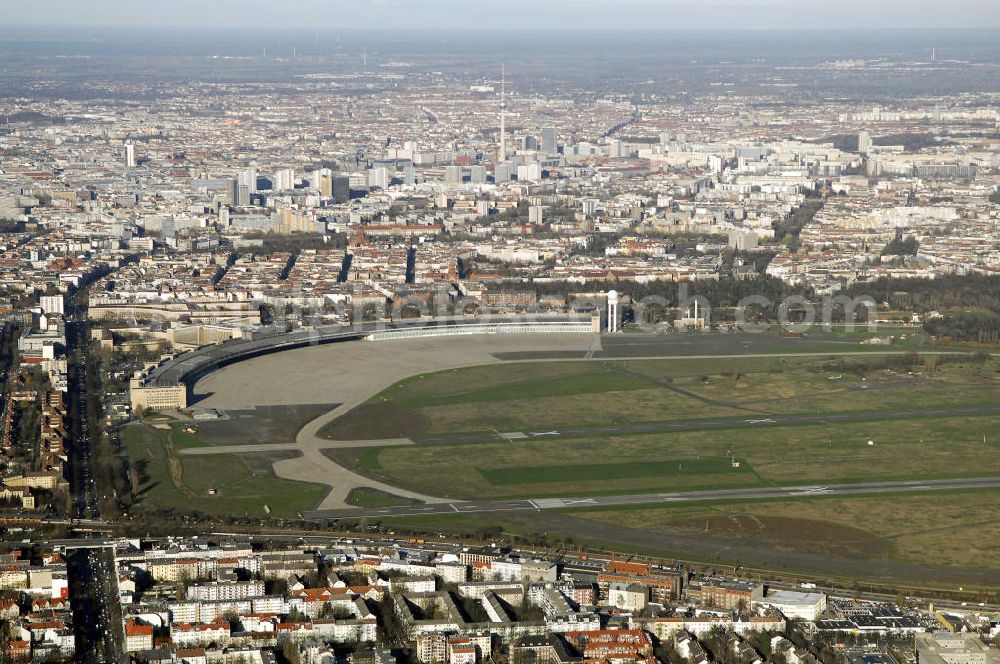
(502, 156)
(864, 142)
(129, 154)
(612, 311)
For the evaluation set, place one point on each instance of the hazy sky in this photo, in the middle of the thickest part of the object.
(470, 14)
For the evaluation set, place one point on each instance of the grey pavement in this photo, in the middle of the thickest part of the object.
(758, 493)
(350, 374)
(281, 447)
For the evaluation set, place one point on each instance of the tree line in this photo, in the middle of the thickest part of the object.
(969, 304)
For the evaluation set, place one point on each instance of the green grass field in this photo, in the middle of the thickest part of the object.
(168, 480)
(547, 396)
(951, 532)
(773, 455)
(543, 396)
(439, 410)
(599, 472)
(954, 529)
(957, 529)
(372, 498)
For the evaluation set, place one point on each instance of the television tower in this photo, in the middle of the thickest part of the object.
(502, 156)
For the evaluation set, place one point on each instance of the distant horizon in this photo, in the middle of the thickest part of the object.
(486, 29)
(561, 15)
(676, 45)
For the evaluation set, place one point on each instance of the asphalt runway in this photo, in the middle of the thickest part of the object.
(721, 423)
(477, 506)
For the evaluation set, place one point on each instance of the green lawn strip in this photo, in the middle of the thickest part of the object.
(731, 556)
(458, 381)
(363, 497)
(709, 396)
(182, 441)
(360, 459)
(608, 471)
(431, 405)
(917, 398)
(367, 464)
(591, 489)
(781, 454)
(838, 347)
(473, 525)
(806, 454)
(761, 479)
(810, 497)
(521, 482)
(748, 480)
(238, 490)
(463, 524)
(588, 383)
(719, 423)
(368, 460)
(374, 420)
(553, 413)
(949, 527)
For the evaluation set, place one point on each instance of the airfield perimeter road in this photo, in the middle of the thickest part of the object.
(476, 506)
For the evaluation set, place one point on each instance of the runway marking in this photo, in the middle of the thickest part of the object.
(748, 494)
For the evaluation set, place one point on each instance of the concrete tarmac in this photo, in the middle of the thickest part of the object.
(653, 499)
(350, 374)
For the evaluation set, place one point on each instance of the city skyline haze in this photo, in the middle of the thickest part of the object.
(510, 14)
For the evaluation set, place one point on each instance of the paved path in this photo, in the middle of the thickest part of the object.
(281, 447)
(314, 466)
(475, 506)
